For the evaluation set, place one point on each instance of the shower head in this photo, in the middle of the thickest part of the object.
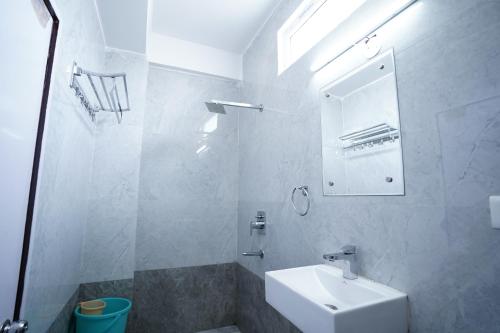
(215, 107)
(219, 106)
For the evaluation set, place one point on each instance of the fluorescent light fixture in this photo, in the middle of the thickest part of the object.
(373, 15)
(309, 23)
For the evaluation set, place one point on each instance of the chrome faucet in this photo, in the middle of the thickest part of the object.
(259, 223)
(347, 253)
(259, 253)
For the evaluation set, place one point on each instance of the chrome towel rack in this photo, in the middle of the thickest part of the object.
(110, 91)
(370, 136)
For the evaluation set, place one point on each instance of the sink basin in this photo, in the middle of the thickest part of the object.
(317, 299)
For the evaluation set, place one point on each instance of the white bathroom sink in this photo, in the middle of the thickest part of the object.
(317, 299)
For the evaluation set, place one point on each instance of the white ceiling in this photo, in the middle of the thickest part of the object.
(206, 36)
(124, 23)
(228, 25)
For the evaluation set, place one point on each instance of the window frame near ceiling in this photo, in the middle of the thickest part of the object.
(299, 18)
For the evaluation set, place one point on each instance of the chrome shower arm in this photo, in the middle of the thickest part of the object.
(217, 106)
(259, 107)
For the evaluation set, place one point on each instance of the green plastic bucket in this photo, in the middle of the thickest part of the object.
(112, 320)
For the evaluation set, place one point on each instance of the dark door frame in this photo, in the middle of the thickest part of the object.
(36, 160)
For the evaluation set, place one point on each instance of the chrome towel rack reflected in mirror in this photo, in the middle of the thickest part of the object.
(370, 136)
(304, 189)
(110, 92)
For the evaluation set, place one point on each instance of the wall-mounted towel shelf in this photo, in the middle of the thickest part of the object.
(370, 136)
(110, 92)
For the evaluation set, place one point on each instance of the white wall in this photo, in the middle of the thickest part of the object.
(178, 53)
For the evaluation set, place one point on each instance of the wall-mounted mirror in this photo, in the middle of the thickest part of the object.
(361, 132)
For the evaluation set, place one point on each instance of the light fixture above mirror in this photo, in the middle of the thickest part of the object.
(359, 29)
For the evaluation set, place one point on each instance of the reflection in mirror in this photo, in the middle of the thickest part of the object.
(361, 132)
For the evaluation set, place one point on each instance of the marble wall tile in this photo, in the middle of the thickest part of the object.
(470, 144)
(422, 243)
(189, 173)
(64, 321)
(188, 299)
(63, 190)
(114, 288)
(471, 153)
(109, 243)
(254, 315)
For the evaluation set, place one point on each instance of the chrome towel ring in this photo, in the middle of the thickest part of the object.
(305, 192)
